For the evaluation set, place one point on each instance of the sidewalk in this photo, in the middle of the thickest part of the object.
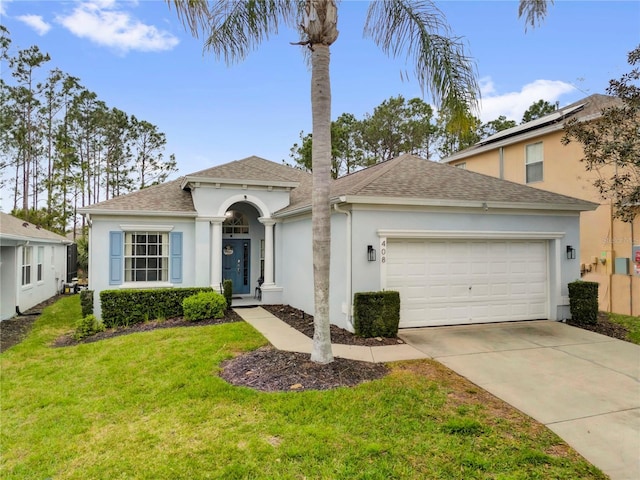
(284, 337)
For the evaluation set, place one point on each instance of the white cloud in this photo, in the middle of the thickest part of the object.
(101, 22)
(36, 22)
(513, 104)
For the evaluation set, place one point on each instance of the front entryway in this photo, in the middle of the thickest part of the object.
(236, 262)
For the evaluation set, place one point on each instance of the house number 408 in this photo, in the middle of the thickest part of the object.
(383, 251)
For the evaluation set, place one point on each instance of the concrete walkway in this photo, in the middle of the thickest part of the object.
(287, 338)
(583, 386)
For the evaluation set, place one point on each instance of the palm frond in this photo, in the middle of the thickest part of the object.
(534, 11)
(419, 31)
(194, 14)
(238, 27)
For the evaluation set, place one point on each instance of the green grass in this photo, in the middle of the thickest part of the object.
(151, 406)
(632, 323)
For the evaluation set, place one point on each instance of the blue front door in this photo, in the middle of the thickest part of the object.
(235, 263)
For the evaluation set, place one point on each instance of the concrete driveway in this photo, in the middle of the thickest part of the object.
(582, 385)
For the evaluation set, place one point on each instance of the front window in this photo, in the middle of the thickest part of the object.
(236, 222)
(146, 257)
(533, 162)
(27, 253)
(39, 269)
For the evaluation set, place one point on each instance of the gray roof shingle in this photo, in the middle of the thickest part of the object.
(16, 228)
(412, 177)
(405, 177)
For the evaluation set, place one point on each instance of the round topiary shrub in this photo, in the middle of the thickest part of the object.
(204, 305)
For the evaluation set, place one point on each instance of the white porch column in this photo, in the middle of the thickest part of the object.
(216, 251)
(202, 252)
(268, 250)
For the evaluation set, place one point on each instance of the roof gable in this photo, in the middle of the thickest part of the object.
(410, 177)
(173, 198)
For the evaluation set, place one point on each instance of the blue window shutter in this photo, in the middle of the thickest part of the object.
(175, 246)
(116, 251)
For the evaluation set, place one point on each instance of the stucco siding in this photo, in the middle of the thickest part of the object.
(99, 250)
(367, 224)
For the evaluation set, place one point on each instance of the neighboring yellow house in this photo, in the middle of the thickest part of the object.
(532, 154)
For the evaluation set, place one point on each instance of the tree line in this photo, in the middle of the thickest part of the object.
(399, 126)
(62, 148)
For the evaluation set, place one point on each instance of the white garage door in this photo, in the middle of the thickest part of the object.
(450, 282)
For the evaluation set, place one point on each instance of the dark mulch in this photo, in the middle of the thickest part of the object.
(271, 370)
(68, 340)
(604, 326)
(14, 330)
(266, 369)
(304, 323)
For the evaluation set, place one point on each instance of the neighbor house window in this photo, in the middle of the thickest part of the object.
(27, 254)
(533, 162)
(39, 269)
(236, 222)
(462, 165)
(146, 257)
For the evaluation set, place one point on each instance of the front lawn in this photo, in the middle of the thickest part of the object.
(631, 323)
(151, 405)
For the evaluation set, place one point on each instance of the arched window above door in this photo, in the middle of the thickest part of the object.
(236, 223)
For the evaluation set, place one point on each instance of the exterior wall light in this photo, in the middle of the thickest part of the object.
(371, 253)
(571, 252)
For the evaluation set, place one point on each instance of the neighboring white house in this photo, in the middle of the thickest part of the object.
(460, 247)
(33, 265)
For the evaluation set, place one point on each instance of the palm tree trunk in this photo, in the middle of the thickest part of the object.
(321, 209)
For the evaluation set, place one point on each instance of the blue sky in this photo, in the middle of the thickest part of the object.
(137, 57)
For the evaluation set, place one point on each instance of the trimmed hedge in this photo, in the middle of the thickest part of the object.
(227, 290)
(86, 302)
(204, 305)
(583, 301)
(126, 307)
(376, 314)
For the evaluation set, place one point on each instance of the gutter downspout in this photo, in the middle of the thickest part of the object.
(349, 264)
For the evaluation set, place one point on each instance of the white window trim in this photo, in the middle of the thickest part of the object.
(26, 248)
(527, 163)
(149, 284)
(40, 263)
(146, 228)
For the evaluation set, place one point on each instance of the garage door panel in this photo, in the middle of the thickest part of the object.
(454, 282)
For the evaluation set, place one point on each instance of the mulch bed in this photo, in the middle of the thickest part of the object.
(604, 327)
(304, 323)
(271, 370)
(266, 369)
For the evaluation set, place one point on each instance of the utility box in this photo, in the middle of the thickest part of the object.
(621, 266)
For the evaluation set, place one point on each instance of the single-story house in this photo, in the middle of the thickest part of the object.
(33, 265)
(460, 247)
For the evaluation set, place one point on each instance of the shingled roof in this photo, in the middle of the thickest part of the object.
(407, 177)
(410, 177)
(252, 168)
(17, 229)
(173, 198)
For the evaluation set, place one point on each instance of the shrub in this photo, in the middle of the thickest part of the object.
(583, 301)
(126, 307)
(204, 305)
(376, 314)
(227, 289)
(87, 326)
(86, 302)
